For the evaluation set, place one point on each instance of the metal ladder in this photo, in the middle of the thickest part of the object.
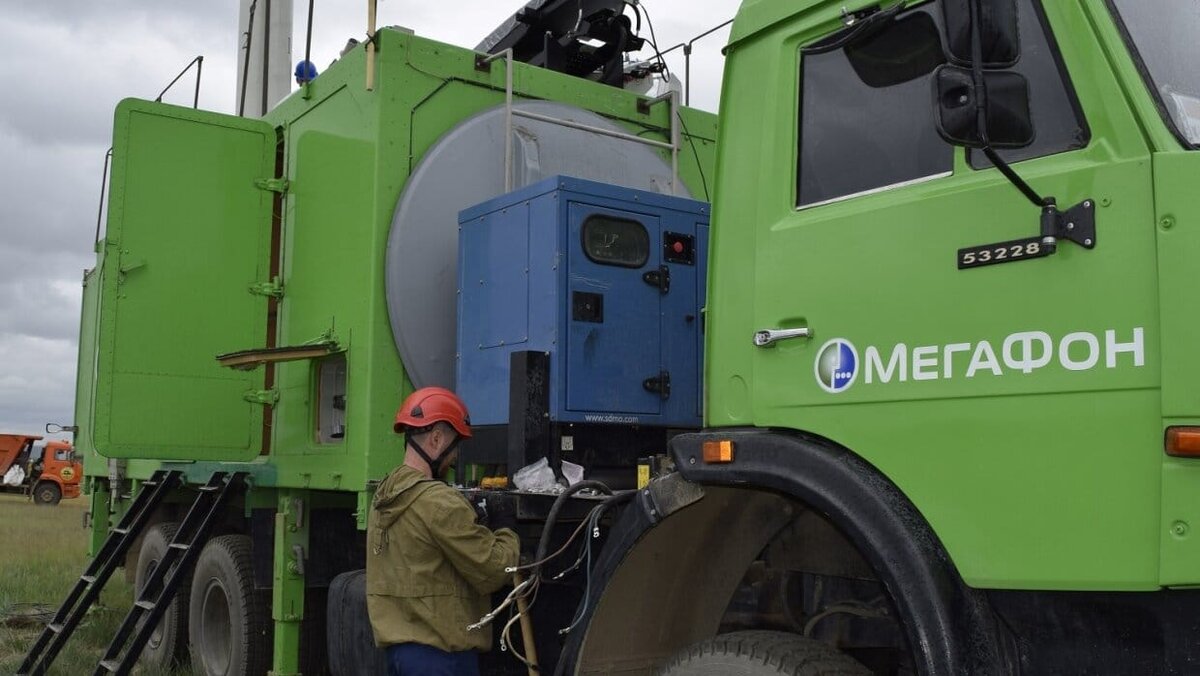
(95, 576)
(156, 595)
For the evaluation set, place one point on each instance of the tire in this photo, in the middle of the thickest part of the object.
(229, 623)
(47, 493)
(762, 653)
(351, 644)
(167, 647)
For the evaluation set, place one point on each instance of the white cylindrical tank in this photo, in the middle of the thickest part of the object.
(267, 26)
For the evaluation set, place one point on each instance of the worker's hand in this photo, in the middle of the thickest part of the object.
(481, 510)
(502, 512)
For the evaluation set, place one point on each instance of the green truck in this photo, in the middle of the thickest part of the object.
(950, 414)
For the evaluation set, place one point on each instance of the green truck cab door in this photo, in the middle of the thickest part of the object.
(186, 251)
(986, 393)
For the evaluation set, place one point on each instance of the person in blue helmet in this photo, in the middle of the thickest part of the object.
(305, 72)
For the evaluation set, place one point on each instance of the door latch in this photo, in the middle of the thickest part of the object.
(271, 289)
(768, 337)
(264, 397)
(660, 385)
(660, 278)
(279, 185)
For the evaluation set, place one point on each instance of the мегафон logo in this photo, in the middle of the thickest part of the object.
(836, 366)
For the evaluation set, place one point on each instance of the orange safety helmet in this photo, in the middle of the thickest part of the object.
(430, 405)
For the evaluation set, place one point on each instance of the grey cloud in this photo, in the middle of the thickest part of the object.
(37, 382)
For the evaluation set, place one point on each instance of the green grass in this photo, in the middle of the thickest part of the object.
(43, 551)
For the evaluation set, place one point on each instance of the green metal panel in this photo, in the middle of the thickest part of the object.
(1039, 477)
(85, 374)
(1177, 206)
(188, 236)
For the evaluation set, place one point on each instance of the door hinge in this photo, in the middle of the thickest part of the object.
(660, 384)
(660, 278)
(264, 397)
(279, 185)
(273, 288)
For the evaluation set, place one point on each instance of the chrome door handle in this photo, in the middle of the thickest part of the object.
(768, 337)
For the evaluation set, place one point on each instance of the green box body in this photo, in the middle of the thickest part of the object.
(185, 272)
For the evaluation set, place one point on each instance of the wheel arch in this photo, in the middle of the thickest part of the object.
(666, 555)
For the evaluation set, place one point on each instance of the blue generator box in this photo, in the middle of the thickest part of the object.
(603, 284)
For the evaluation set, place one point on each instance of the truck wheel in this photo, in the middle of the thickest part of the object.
(351, 644)
(762, 653)
(167, 646)
(229, 623)
(46, 493)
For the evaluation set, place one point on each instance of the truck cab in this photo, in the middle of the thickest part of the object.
(972, 397)
(47, 473)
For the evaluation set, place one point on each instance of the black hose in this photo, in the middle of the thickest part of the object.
(544, 542)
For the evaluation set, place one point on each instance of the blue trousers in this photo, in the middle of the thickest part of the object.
(414, 659)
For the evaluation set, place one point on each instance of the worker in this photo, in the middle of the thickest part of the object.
(430, 567)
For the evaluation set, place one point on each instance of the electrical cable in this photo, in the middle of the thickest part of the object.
(696, 155)
(654, 44)
(556, 508)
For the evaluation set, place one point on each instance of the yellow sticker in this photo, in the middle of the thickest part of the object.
(643, 476)
(67, 473)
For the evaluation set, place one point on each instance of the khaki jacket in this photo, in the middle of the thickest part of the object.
(430, 568)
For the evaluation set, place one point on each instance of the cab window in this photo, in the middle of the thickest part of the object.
(862, 132)
(859, 130)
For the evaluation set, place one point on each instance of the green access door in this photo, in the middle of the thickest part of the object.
(188, 242)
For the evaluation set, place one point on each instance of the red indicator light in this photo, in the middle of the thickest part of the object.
(677, 247)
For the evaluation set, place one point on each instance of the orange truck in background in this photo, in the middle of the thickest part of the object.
(47, 475)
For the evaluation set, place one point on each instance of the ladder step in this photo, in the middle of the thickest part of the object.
(180, 546)
(150, 482)
(110, 665)
(145, 605)
(56, 628)
(121, 531)
(88, 578)
(210, 489)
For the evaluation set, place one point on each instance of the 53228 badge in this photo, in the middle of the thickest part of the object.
(1002, 252)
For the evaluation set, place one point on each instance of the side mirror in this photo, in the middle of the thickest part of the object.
(1009, 123)
(997, 28)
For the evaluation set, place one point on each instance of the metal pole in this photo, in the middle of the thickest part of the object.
(308, 36)
(266, 64)
(246, 58)
(675, 142)
(371, 5)
(199, 69)
(103, 187)
(531, 657)
(595, 130)
(507, 55)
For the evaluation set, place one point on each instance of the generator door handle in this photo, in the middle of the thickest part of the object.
(768, 337)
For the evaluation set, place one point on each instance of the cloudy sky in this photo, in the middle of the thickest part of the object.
(64, 64)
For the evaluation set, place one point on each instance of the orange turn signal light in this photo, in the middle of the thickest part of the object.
(1183, 442)
(718, 451)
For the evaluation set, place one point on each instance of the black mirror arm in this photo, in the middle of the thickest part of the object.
(1078, 223)
(1015, 178)
(981, 110)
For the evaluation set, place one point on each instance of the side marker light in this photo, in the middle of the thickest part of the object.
(1183, 442)
(718, 451)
